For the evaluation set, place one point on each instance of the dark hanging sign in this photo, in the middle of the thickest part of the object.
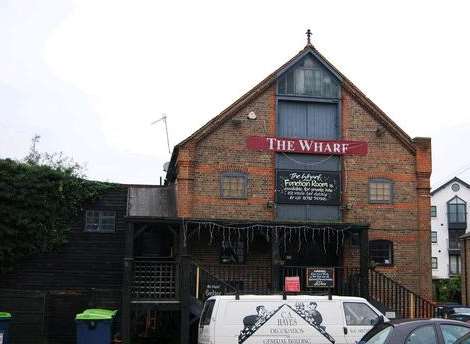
(308, 187)
(320, 277)
(307, 146)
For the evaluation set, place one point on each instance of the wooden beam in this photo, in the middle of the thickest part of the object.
(276, 263)
(126, 292)
(364, 261)
(140, 231)
(184, 283)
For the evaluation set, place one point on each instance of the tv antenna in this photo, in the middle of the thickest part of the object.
(163, 118)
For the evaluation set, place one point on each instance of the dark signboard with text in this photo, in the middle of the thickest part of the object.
(320, 277)
(308, 187)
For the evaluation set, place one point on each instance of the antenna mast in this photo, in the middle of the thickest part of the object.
(163, 118)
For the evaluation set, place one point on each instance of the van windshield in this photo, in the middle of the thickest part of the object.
(207, 312)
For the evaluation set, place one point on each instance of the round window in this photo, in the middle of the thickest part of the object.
(455, 187)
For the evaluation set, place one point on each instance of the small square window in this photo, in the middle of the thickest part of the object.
(433, 211)
(380, 191)
(100, 221)
(434, 237)
(434, 262)
(232, 252)
(233, 185)
(381, 252)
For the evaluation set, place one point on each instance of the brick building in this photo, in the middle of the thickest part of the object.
(302, 171)
(387, 189)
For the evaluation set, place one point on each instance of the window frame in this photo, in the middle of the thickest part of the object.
(436, 339)
(360, 303)
(242, 175)
(391, 253)
(433, 211)
(100, 218)
(434, 236)
(206, 315)
(383, 181)
(458, 265)
(434, 260)
(244, 253)
(457, 212)
(443, 326)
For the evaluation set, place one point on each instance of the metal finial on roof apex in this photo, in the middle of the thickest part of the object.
(308, 33)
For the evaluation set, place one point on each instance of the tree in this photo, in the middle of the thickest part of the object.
(39, 198)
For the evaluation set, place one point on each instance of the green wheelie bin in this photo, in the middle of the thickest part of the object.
(95, 326)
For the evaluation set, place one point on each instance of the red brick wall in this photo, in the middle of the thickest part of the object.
(225, 150)
(405, 221)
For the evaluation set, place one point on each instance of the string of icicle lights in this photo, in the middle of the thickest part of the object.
(286, 233)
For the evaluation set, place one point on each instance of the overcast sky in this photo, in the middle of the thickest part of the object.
(90, 76)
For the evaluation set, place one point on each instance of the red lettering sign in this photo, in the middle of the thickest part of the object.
(307, 146)
(292, 284)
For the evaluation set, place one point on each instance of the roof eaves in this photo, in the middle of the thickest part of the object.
(244, 99)
(264, 84)
(371, 106)
(454, 179)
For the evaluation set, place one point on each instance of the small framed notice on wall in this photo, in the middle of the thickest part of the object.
(320, 278)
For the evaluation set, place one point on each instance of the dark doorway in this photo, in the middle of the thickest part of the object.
(311, 253)
(156, 241)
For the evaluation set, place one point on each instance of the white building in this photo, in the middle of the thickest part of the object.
(448, 223)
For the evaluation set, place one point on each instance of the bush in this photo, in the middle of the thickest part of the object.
(37, 204)
(449, 290)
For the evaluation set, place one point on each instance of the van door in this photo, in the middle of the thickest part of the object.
(359, 319)
(206, 331)
(331, 319)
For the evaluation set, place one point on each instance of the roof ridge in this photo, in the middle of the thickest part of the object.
(453, 179)
(352, 89)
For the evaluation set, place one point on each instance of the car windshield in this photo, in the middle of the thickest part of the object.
(374, 337)
(462, 310)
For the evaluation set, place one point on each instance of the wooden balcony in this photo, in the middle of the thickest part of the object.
(158, 281)
(154, 280)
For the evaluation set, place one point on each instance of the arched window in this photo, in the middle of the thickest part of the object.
(308, 78)
(457, 212)
(381, 252)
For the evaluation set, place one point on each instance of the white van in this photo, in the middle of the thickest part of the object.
(299, 319)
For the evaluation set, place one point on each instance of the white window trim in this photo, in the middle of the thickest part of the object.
(100, 218)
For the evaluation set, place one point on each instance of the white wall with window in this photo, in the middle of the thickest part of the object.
(449, 207)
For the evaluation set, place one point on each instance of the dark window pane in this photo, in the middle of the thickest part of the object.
(381, 252)
(232, 252)
(359, 314)
(453, 332)
(380, 337)
(434, 262)
(96, 221)
(424, 334)
(207, 312)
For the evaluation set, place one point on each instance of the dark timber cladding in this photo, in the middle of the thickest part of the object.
(45, 292)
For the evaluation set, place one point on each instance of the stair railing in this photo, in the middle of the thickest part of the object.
(204, 284)
(397, 297)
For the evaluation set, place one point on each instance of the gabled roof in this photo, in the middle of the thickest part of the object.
(360, 97)
(453, 180)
